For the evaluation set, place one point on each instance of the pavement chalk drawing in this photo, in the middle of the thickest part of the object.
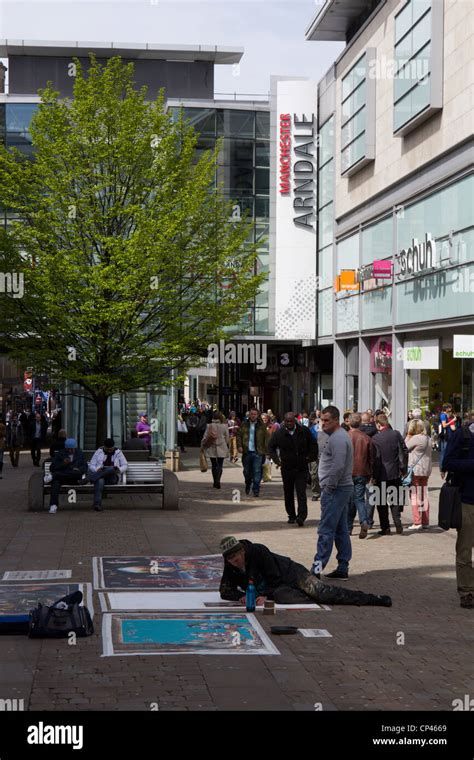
(159, 572)
(20, 598)
(184, 633)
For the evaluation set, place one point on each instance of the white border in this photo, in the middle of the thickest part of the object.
(108, 647)
(107, 606)
(67, 575)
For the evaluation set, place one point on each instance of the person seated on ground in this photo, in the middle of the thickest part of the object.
(134, 443)
(280, 578)
(58, 443)
(105, 467)
(67, 468)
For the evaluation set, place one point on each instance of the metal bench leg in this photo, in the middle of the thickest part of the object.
(170, 490)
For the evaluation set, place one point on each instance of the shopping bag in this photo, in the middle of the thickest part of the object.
(203, 460)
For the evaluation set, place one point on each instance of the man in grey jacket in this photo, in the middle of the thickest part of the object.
(335, 478)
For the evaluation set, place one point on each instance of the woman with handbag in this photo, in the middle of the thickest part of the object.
(420, 453)
(216, 442)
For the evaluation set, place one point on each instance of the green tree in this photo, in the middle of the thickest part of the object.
(123, 241)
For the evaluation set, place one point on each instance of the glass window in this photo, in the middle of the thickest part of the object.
(355, 76)
(377, 308)
(262, 181)
(261, 320)
(203, 120)
(412, 104)
(235, 180)
(421, 33)
(403, 21)
(414, 71)
(377, 241)
(442, 295)
(347, 314)
(262, 124)
(326, 184)
(352, 104)
(353, 128)
(326, 225)
(326, 141)
(325, 301)
(325, 268)
(448, 209)
(347, 255)
(262, 154)
(353, 153)
(262, 208)
(236, 123)
(17, 125)
(237, 153)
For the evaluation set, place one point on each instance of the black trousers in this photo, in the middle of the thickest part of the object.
(389, 500)
(36, 450)
(295, 480)
(323, 593)
(59, 479)
(217, 464)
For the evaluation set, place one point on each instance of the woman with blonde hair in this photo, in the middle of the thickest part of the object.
(216, 442)
(420, 452)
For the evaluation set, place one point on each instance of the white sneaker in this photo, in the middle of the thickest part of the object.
(53, 509)
(414, 527)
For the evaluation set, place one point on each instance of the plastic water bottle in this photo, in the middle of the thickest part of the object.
(250, 597)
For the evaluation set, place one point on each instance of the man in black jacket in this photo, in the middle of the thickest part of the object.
(279, 578)
(293, 447)
(391, 462)
(68, 467)
(459, 459)
(37, 430)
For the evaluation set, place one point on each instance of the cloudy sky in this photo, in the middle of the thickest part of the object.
(270, 31)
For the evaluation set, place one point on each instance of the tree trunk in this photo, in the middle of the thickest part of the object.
(101, 429)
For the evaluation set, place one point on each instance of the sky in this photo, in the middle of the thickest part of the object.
(270, 31)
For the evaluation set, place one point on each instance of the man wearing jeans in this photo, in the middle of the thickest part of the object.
(252, 439)
(335, 478)
(106, 466)
(363, 450)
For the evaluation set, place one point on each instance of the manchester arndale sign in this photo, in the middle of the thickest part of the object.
(294, 120)
(297, 169)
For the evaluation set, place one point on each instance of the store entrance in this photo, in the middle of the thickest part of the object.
(453, 384)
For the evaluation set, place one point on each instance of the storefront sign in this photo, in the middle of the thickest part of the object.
(418, 258)
(346, 280)
(421, 354)
(27, 381)
(463, 347)
(381, 355)
(297, 141)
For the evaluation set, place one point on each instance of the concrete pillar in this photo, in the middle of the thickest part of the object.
(399, 385)
(365, 379)
(339, 374)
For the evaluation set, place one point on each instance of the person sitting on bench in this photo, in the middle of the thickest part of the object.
(67, 468)
(280, 578)
(106, 466)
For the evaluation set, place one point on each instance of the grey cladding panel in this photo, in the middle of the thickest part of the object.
(180, 79)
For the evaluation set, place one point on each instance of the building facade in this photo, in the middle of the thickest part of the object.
(396, 204)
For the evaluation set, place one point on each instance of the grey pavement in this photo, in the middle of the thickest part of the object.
(416, 655)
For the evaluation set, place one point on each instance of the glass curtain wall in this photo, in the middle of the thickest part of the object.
(243, 172)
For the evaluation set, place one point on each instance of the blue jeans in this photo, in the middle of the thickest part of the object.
(252, 463)
(358, 504)
(442, 450)
(99, 479)
(333, 529)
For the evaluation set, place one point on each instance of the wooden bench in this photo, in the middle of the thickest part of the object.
(140, 477)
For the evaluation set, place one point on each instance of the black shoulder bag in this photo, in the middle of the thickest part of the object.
(64, 617)
(450, 505)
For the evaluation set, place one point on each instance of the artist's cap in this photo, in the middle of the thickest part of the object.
(230, 545)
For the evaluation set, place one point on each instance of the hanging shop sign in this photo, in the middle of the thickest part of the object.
(381, 355)
(421, 354)
(346, 280)
(463, 346)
